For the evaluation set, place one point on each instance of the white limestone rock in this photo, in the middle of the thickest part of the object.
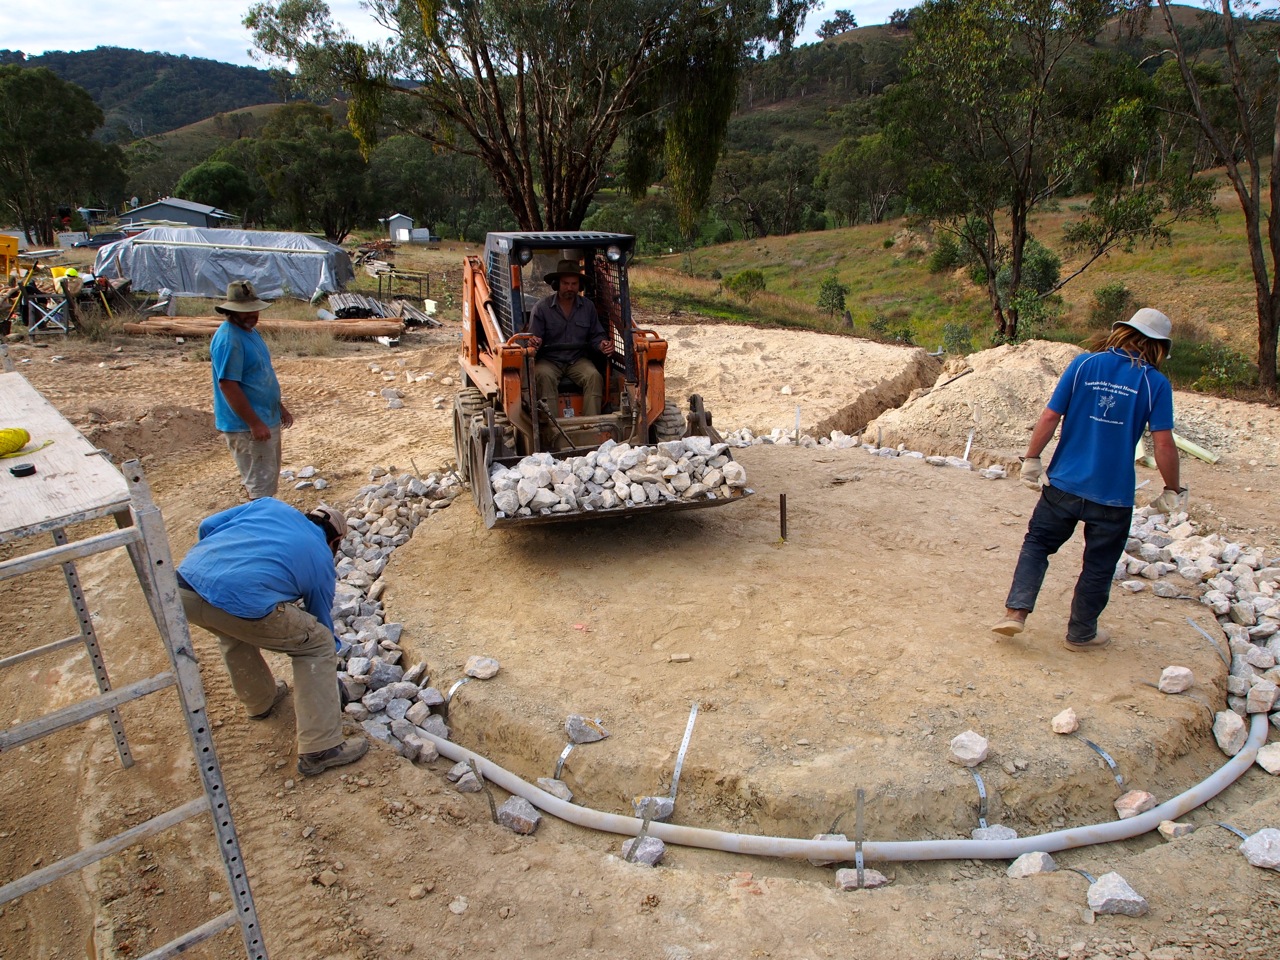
(968, 749)
(828, 836)
(1111, 894)
(580, 729)
(557, 788)
(1173, 830)
(996, 831)
(1133, 803)
(655, 808)
(847, 879)
(1176, 680)
(1262, 697)
(519, 815)
(1230, 731)
(482, 668)
(1269, 758)
(1263, 849)
(650, 852)
(1065, 722)
(1030, 864)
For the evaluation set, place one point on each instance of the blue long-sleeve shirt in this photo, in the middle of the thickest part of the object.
(259, 554)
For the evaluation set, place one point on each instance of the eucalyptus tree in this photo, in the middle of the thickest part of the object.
(540, 91)
(48, 157)
(1245, 138)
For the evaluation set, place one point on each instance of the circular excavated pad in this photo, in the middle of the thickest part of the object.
(846, 657)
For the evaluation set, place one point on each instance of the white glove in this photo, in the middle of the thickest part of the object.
(1031, 472)
(1172, 501)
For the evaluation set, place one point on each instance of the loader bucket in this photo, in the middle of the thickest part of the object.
(482, 493)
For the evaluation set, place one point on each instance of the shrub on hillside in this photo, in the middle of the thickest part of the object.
(957, 338)
(945, 254)
(1111, 302)
(745, 284)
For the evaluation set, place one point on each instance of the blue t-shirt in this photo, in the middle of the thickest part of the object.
(242, 356)
(259, 554)
(1106, 401)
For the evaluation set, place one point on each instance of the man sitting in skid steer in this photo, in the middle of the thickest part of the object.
(566, 329)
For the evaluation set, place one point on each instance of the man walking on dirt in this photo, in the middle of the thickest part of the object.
(1105, 400)
(565, 329)
(247, 407)
(241, 582)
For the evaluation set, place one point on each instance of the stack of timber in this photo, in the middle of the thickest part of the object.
(205, 327)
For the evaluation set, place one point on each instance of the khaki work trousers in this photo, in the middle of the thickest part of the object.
(290, 630)
(257, 460)
(582, 372)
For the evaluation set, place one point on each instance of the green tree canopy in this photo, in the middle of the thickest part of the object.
(314, 170)
(540, 90)
(771, 193)
(217, 183)
(47, 154)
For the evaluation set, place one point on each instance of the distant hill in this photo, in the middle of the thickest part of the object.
(144, 94)
(819, 92)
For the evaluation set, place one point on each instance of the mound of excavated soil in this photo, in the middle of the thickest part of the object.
(838, 383)
(999, 401)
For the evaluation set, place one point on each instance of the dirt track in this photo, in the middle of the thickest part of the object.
(846, 657)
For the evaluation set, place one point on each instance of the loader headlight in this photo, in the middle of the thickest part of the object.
(525, 256)
(613, 254)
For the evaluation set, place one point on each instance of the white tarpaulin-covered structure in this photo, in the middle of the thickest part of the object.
(200, 262)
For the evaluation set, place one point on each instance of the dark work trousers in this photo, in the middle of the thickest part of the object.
(1106, 530)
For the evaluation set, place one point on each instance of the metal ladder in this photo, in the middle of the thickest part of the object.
(140, 531)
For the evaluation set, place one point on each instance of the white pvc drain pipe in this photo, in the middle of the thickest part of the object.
(876, 851)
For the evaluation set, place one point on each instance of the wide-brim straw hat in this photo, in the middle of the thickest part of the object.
(242, 298)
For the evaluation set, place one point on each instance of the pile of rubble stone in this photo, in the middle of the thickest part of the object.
(617, 475)
(1238, 583)
(394, 704)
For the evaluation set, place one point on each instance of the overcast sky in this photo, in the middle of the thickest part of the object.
(212, 28)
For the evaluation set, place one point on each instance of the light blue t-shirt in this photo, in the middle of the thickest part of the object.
(1106, 401)
(259, 554)
(242, 356)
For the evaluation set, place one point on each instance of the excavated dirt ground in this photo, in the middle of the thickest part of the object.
(845, 657)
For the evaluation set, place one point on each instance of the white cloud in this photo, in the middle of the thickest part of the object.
(196, 28)
(213, 28)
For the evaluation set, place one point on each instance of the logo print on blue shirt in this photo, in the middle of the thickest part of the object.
(1106, 402)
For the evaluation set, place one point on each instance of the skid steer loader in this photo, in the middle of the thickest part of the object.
(498, 419)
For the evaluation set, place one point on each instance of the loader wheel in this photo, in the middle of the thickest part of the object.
(670, 425)
(466, 404)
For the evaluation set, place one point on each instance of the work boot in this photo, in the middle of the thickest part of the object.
(282, 691)
(348, 751)
(1096, 642)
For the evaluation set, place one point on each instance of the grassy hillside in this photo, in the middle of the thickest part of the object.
(1202, 281)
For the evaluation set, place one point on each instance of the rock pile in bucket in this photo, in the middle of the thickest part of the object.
(615, 476)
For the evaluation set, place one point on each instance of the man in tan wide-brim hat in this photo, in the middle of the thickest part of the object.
(567, 329)
(247, 407)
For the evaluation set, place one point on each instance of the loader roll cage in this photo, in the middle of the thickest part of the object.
(510, 261)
